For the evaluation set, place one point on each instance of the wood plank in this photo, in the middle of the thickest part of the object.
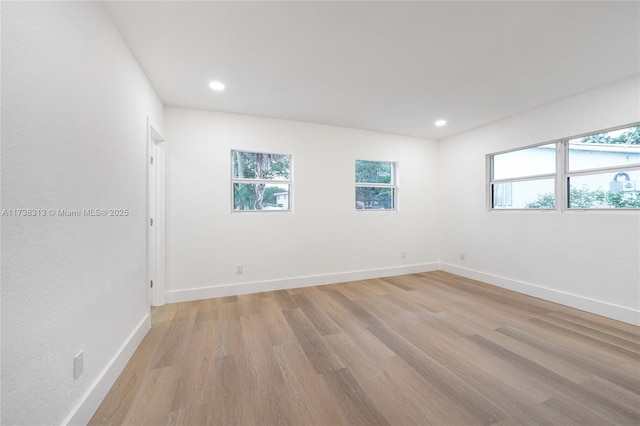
(151, 403)
(270, 406)
(276, 324)
(557, 336)
(573, 413)
(505, 375)
(196, 368)
(259, 353)
(469, 400)
(622, 342)
(207, 311)
(597, 322)
(355, 311)
(563, 385)
(400, 283)
(415, 304)
(355, 406)
(249, 304)
(308, 396)
(335, 311)
(609, 391)
(402, 396)
(320, 355)
(375, 286)
(583, 362)
(118, 400)
(421, 349)
(515, 395)
(228, 335)
(229, 396)
(383, 309)
(320, 320)
(175, 339)
(411, 399)
(558, 365)
(590, 340)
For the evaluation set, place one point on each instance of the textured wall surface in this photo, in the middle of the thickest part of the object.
(74, 111)
(324, 235)
(74, 108)
(593, 255)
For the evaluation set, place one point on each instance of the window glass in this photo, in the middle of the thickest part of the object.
(538, 160)
(258, 165)
(526, 194)
(260, 181)
(368, 197)
(610, 149)
(375, 185)
(374, 172)
(610, 190)
(260, 196)
(600, 171)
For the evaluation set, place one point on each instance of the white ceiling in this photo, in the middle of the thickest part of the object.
(387, 66)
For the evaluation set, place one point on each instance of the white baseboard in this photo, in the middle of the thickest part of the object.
(83, 412)
(598, 307)
(295, 282)
(94, 396)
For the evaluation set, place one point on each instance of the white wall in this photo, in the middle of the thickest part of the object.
(323, 240)
(588, 260)
(74, 107)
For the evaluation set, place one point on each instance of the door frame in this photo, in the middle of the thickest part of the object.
(156, 202)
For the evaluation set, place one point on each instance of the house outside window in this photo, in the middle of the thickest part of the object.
(603, 170)
(260, 181)
(519, 177)
(600, 170)
(376, 187)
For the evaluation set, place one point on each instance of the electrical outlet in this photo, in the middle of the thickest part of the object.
(462, 256)
(78, 365)
(238, 269)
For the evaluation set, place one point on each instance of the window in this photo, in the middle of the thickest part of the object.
(260, 181)
(603, 170)
(520, 178)
(375, 185)
(599, 170)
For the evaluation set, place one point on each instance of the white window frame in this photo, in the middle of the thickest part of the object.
(567, 173)
(288, 182)
(562, 175)
(393, 185)
(528, 178)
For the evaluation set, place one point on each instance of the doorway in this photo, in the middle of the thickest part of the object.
(155, 216)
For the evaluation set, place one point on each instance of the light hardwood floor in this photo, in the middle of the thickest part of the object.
(421, 349)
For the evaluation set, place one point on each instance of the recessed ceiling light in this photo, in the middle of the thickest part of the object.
(217, 86)
(440, 123)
